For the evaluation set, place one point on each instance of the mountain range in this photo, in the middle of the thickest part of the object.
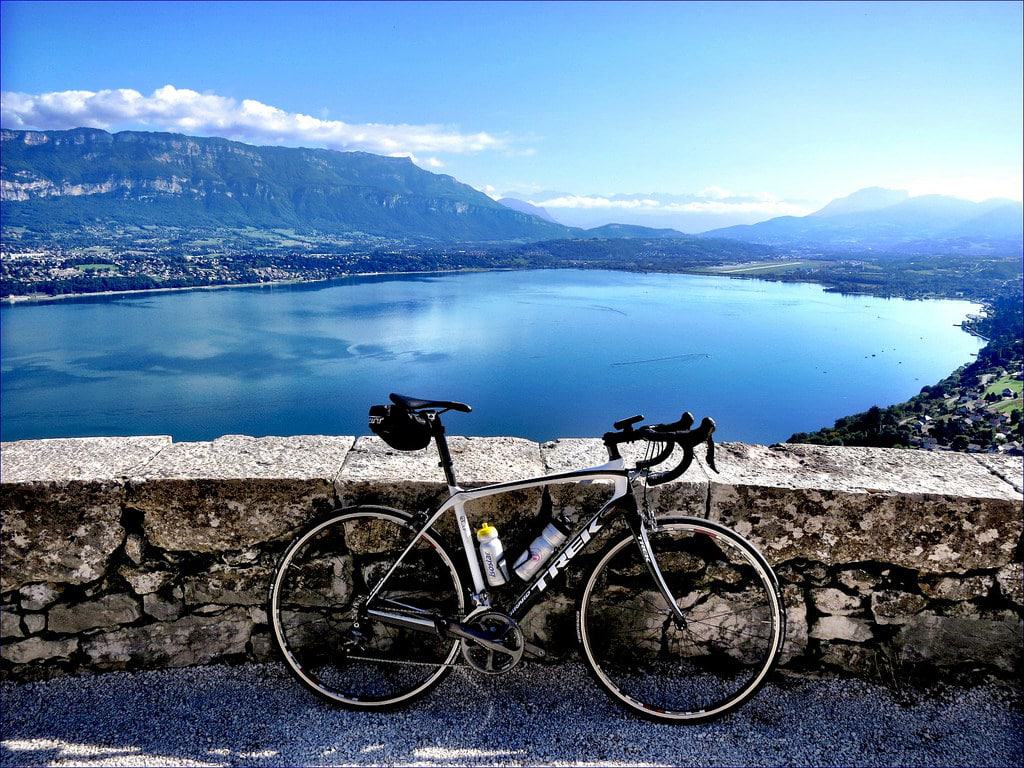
(891, 221)
(55, 179)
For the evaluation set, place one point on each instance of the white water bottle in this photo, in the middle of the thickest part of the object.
(542, 548)
(495, 570)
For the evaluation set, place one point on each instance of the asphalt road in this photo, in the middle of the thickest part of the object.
(256, 715)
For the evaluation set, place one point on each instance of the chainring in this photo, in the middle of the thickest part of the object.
(500, 628)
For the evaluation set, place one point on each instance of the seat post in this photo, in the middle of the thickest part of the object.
(442, 450)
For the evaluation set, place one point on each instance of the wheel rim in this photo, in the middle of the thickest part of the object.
(327, 641)
(703, 666)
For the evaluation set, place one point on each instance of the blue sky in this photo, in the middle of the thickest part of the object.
(616, 110)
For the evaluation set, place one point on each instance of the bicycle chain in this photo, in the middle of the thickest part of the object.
(408, 663)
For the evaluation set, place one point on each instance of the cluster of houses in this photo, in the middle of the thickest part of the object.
(973, 412)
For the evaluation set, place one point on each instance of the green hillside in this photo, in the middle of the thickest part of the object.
(61, 179)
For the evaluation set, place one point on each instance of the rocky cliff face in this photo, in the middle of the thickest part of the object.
(61, 178)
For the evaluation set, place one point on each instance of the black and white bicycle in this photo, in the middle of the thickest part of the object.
(680, 619)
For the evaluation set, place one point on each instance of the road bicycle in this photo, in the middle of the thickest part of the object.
(679, 619)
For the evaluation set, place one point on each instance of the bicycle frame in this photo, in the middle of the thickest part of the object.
(622, 501)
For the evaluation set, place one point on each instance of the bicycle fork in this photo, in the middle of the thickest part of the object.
(639, 531)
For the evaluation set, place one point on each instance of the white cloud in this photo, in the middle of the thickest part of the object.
(766, 207)
(422, 162)
(588, 202)
(715, 193)
(713, 200)
(182, 109)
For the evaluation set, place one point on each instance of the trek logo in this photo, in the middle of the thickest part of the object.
(571, 551)
(563, 560)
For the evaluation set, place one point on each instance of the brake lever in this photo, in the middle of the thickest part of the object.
(711, 455)
(684, 423)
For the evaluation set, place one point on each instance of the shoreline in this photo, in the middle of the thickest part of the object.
(23, 299)
(43, 299)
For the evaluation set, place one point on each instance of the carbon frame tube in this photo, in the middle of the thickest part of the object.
(613, 470)
(624, 505)
(579, 541)
(575, 544)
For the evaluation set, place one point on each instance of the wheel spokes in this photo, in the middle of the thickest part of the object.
(328, 640)
(653, 660)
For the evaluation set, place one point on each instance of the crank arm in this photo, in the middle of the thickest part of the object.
(468, 633)
(534, 651)
(461, 631)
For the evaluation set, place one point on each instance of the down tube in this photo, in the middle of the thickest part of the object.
(561, 559)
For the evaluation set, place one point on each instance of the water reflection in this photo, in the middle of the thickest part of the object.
(539, 354)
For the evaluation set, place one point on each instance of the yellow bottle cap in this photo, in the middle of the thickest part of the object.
(486, 530)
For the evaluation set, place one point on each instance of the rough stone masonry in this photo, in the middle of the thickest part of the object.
(138, 552)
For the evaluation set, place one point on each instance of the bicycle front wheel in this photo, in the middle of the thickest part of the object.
(695, 668)
(318, 618)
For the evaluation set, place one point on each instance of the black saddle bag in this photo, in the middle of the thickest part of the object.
(401, 429)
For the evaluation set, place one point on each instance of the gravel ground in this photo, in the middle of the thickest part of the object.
(256, 715)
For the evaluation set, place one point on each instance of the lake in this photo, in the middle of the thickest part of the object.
(540, 354)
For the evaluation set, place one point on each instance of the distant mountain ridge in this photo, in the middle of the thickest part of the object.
(524, 207)
(632, 230)
(884, 220)
(51, 180)
(66, 178)
(867, 199)
(54, 179)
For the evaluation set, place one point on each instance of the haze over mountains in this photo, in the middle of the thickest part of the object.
(65, 179)
(886, 220)
(524, 207)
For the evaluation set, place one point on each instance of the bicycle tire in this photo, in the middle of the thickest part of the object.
(313, 606)
(732, 622)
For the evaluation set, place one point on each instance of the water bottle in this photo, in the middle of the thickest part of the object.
(542, 548)
(495, 570)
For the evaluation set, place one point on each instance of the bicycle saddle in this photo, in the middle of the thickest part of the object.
(416, 404)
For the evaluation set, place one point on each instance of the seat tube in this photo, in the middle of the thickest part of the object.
(460, 508)
(445, 455)
(469, 545)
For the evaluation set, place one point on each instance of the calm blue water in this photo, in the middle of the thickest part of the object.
(540, 354)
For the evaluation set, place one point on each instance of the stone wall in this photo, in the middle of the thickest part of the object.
(140, 552)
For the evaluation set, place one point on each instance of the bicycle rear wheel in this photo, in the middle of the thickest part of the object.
(316, 609)
(695, 669)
